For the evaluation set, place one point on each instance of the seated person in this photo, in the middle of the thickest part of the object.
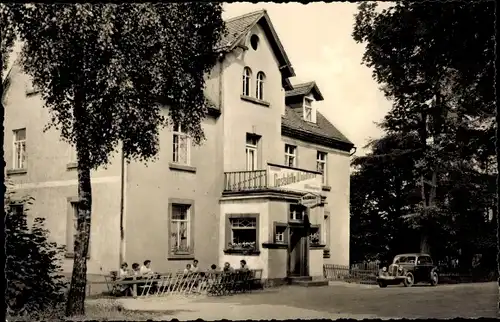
(227, 268)
(213, 268)
(124, 270)
(146, 268)
(187, 270)
(136, 269)
(194, 267)
(243, 265)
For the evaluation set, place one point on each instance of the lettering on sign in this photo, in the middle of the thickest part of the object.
(310, 200)
(293, 179)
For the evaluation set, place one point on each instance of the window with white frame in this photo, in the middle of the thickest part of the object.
(308, 110)
(290, 155)
(280, 234)
(180, 229)
(72, 229)
(260, 85)
(251, 151)
(247, 75)
(181, 146)
(321, 162)
(19, 149)
(314, 235)
(71, 233)
(243, 233)
(297, 212)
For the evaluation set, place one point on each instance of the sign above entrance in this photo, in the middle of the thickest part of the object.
(286, 178)
(310, 200)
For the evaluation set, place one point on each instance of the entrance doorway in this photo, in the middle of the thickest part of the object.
(297, 252)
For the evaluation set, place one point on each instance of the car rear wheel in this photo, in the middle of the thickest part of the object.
(409, 280)
(382, 284)
(434, 278)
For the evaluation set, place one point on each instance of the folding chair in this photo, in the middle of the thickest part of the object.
(146, 286)
(110, 283)
(216, 284)
(229, 283)
(245, 281)
(256, 279)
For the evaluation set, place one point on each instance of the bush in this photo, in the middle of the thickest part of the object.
(32, 267)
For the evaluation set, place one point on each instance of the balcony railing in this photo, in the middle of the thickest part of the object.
(245, 180)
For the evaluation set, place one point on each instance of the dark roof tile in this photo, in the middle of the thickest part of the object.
(294, 120)
(305, 89)
(238, 26)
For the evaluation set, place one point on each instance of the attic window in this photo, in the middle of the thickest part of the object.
(308, 110)
(254, 41)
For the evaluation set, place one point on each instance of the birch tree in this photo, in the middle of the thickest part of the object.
(105, 73)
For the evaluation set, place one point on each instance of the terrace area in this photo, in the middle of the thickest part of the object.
(273, 177)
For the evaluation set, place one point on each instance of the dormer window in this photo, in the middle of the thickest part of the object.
(247, 75)
(260, 86)
(308, 110)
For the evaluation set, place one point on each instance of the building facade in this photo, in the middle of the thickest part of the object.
(270, 184)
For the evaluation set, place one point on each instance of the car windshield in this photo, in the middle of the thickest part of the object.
(424, 260)
(405, 259)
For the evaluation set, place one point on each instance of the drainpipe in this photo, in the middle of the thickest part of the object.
(221, 71)
(351, 154)
(122, 208)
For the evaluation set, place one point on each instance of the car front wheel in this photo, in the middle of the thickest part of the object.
(434, 278)
(409, 280)
(382, 284)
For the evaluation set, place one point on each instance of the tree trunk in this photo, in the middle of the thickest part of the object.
(76, 297)
(424, 244)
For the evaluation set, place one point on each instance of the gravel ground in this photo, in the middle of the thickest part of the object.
(443, 301)
(335, 301)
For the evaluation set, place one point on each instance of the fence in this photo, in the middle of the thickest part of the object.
(245, 180)
(453, 276)
(366, 273)
(363, 273)
(217, 283)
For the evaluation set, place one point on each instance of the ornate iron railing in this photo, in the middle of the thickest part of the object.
(245, 180)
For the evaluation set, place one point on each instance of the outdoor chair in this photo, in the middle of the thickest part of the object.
(240, 281)
(213, 282)
(218, 284)
(256, 279)
(146, 286)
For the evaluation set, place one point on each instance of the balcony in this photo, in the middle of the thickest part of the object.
(273, 177)
(245, 180)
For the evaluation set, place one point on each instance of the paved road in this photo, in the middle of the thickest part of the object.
(442, 301)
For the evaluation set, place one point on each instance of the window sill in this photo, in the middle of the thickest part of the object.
(71, 166)
(326, 188)
(181, 167)
(254, 252)
(187, 256)
(255, 100)
(275, 245)
(72, 255)
(17, 171)
(317, 246)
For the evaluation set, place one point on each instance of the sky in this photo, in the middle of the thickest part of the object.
(317, 39)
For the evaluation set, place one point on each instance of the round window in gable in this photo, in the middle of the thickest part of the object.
(254, 41)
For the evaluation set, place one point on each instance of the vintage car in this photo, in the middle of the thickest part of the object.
(409, 269)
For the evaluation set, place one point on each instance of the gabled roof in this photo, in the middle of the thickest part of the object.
(322, 132)
(238, 28)
(305, 89)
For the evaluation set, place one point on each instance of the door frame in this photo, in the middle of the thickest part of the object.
(305, 259)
